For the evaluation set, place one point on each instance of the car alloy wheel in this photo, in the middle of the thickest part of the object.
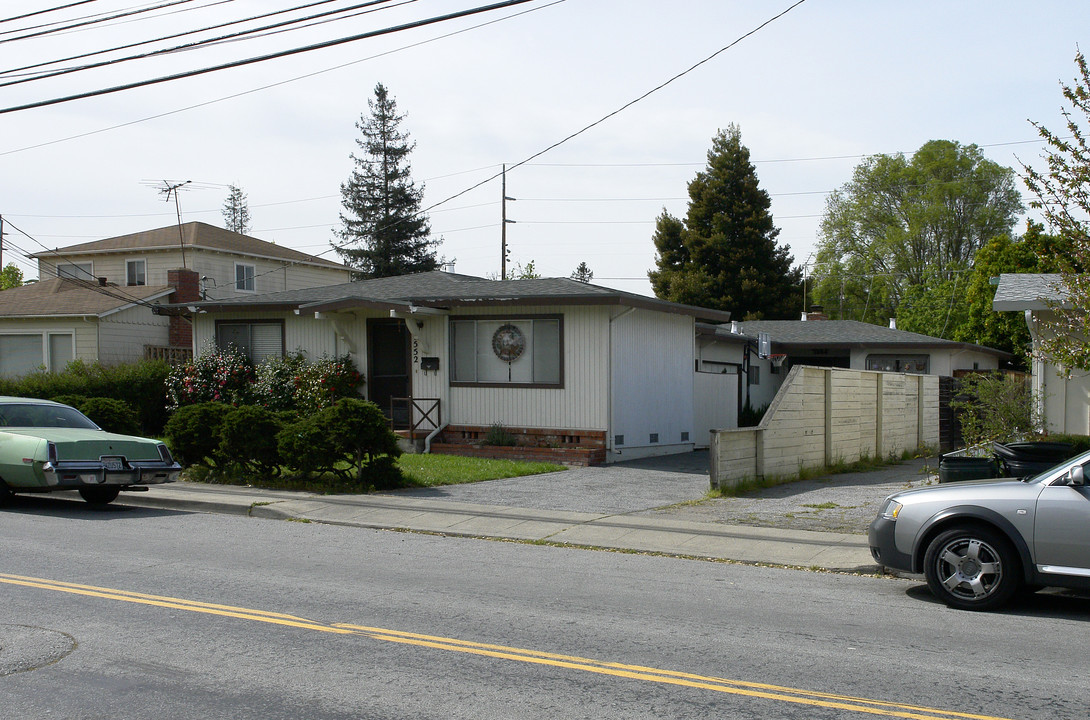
(972, 568)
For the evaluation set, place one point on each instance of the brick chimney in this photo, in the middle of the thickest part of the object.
(187, 288)
(817, 312)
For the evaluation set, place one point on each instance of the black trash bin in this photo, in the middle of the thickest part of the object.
(1020, 459)
(953, 467)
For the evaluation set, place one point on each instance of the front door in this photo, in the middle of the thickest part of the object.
(388, 366)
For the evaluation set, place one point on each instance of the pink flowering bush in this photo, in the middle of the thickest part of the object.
(277, 383)
(217, 375)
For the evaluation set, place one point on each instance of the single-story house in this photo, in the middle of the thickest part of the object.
(559, 363)
(1063, 399)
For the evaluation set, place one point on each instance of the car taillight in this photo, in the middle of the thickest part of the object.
(164, 454)
(51, 452)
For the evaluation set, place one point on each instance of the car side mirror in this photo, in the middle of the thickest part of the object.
(1077, 477)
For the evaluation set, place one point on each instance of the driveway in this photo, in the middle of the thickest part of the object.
(677, 485)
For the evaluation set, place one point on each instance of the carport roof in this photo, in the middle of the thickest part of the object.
(811, 334)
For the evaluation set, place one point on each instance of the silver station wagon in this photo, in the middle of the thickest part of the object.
(980, 542)
(46, 446)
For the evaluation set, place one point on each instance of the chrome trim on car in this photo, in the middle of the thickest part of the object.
(1058, 570)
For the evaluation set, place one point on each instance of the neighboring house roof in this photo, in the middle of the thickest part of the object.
(194, 235)
(65, 297)
(438, 289)
(812, 334)
(723, 332)
(1028, 291)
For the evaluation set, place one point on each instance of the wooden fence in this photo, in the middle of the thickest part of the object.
(824, 416)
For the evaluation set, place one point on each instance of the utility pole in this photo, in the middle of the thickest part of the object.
(503, 225)
(167, 190)
(1, 241)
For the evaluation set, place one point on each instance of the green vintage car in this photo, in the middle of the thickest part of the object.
(46, 446)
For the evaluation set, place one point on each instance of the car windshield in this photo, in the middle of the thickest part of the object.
(51, 416)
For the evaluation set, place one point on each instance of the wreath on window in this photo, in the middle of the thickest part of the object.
(508, 342)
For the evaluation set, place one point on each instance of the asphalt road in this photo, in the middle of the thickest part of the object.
(148, 613)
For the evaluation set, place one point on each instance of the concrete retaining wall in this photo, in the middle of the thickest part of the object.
(823, 416)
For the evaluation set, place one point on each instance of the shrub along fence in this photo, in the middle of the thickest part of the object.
(824, 416)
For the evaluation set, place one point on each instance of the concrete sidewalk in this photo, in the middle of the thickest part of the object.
(621, 531)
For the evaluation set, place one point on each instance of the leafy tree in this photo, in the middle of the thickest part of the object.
(582, 273)
(11, 277)
(905, 229)
(236, 211)
(524, 272)
(383, 231)
(1061, 196)
(1035, 252)
(724, 253)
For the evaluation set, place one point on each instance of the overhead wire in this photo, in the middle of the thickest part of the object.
(284, 26)
(88, 21)
(46, 11)
(114, 292)
(269, 56)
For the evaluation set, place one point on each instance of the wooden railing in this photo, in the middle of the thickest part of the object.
(414, 414)
(172, 355)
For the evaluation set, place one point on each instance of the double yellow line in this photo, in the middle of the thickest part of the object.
(502, 652)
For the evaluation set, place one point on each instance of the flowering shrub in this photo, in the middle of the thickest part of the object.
(217, 375)
(324, 382)
(277, 383)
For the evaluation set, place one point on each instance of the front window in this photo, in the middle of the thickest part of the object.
(136, 272)
(899, 363)
(244, 277)
(508, 351)
(256, 340)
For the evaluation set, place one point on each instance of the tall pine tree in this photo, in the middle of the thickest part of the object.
(724, 254)
(383, 231)
(236, 211)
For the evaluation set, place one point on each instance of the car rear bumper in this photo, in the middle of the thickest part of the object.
(80, 473)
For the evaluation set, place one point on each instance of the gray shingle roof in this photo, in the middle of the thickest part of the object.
(442, 290)
(1028, 291)
(59, 297)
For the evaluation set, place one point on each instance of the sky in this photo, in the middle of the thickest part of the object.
(643, 86)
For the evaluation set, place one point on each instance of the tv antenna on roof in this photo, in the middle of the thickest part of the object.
(167, 190)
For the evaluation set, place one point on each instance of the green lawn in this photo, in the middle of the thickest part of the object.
(419, 471)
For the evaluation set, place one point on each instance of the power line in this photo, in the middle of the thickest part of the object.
(284, 25)
(45, 11)
(270, 56)
(84, 22)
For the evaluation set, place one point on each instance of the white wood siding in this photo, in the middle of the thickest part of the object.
(652, 361)
(84, 334)
(123, 335)
(218, 267)
(715, 404)
(581, 404)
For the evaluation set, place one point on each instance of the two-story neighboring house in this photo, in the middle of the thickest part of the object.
(99, 301)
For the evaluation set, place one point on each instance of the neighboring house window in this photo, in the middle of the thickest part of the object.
(61, 351)
(257, 340)
(136, 272)
(508, 351)
(899, 363)
(244, 277)
(79, 271)
(22, 354)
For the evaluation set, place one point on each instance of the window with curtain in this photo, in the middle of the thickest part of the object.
(507, 351)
